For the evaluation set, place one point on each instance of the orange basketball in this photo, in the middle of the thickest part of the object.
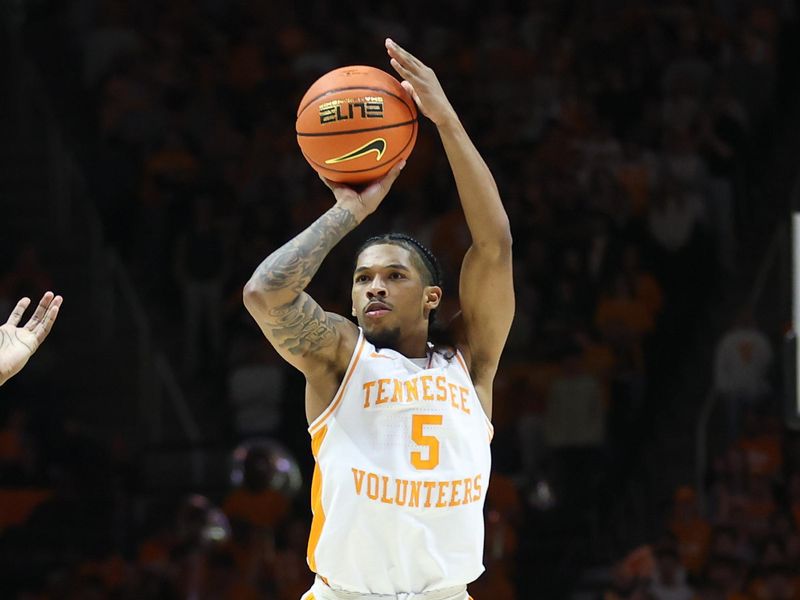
(354, 123)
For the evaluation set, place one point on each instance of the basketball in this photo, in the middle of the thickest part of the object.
(354, 123)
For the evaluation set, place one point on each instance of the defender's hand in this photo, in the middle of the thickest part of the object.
(17, 344)
(421, 82)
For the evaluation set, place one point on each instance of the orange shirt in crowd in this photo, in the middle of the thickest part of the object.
(633, 314)
(762, 453)
(503, 496)
(693, 537)
(639, 564)
(261, 509)
(16, 505)
(648, 292)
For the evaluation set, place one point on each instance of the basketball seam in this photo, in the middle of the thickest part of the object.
(321, 166)
(411, 109)
(349, 131)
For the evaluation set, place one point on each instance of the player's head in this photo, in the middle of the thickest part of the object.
(396, 288)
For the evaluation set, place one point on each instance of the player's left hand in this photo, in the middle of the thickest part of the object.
(421, 82)
(17, 344)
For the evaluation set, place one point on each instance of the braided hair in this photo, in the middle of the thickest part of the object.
(428, 266)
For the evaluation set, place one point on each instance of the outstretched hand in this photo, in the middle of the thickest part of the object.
(365, 201)
(17, 344)
(421, 83)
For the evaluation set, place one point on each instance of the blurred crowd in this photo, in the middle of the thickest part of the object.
(622, 136)
(736, 539)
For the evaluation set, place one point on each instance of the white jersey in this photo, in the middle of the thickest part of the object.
(402, 467)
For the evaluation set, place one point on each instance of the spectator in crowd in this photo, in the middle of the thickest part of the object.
(729, 574)
(742, 363)
(574, 427)
(201, 267)
(691, 529)
(669, 579)
(255, 503)
(257, 388)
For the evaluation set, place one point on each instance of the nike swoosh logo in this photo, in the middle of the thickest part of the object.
(376, 355)
(378, 145)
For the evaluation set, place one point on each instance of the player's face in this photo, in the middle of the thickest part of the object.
(389, 293)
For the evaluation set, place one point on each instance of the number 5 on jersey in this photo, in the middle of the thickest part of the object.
(418, 422)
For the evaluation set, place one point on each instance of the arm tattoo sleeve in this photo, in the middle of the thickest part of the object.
(293, 265)
(302, 327)
(298, 325)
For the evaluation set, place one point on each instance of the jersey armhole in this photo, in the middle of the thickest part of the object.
(337, 398)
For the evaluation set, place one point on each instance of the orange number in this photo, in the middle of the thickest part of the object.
(417, 423)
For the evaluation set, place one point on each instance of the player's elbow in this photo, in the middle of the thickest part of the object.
(504, 237)
(251, 295)
(498, 245)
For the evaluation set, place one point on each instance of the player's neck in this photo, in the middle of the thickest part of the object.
(411, 342)
(413, 346)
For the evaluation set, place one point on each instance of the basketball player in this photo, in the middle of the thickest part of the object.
(17, 344)
(400, 427)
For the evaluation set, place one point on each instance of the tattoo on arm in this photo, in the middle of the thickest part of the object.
(293, 265)
(302, 327)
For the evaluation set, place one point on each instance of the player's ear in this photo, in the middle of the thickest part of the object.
(433, 296)
(354, 311)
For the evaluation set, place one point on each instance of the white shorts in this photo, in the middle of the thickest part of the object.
(321, 591)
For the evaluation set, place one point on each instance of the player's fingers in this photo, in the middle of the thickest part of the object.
(40, 311)
(401, 56)
(43, 330)
(394, 172)
(399, 52)
(401, 70)
(18, 311)
(332, 185)
(385, 182)
(328, 183)
(406, 85)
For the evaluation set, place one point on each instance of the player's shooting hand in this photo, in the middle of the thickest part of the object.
(365, 201)
(17, 344)
(421, 82)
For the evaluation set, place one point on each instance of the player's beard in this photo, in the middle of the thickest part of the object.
(387, 338)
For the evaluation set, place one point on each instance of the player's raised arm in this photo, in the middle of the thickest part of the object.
(486, 290)
(300, 330)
